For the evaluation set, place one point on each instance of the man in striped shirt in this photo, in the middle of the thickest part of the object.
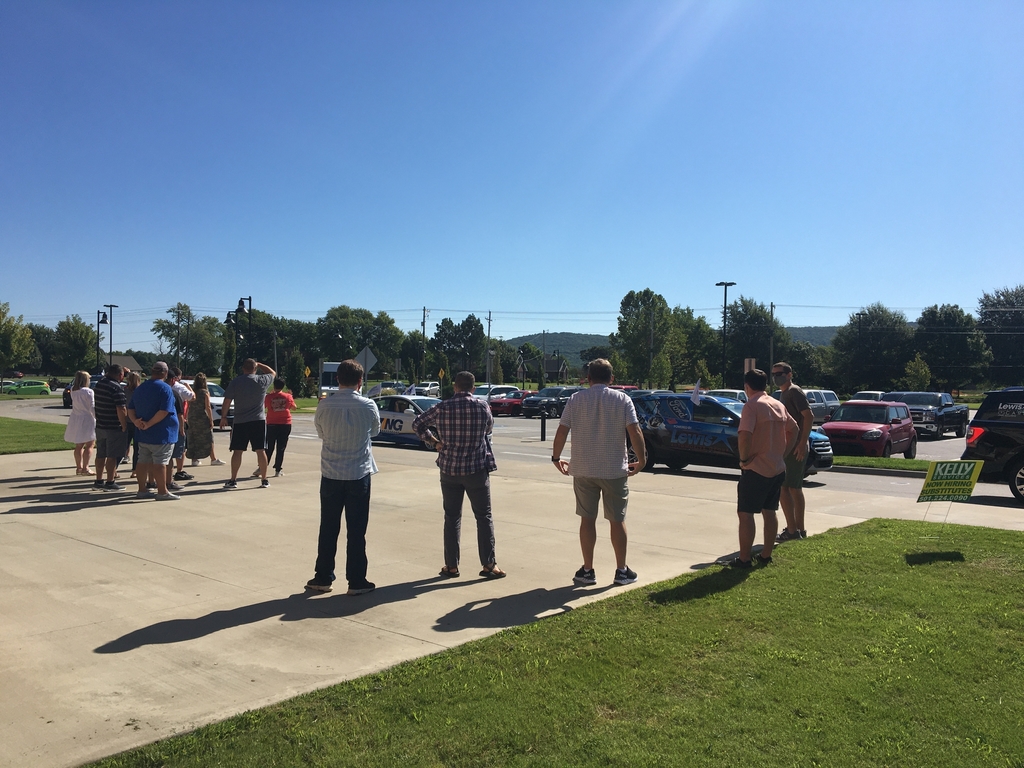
(459, 429)
(600, 419)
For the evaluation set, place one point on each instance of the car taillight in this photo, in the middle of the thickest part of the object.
(973, 434)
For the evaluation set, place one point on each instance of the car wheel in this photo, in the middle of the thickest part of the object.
(961, 430)
(1017, 480)
(911, 452)
(516, 410)
(887, 451)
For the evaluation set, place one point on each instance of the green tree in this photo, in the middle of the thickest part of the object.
(294, 373)
(1001, 317)
(643, 326)
(343, 333)
(16, 342)
(227, 371)
(953, 345)
(44, 339)
(751, 332)
(594, 353)
(916, 376)
(872, 350)
(75, 344)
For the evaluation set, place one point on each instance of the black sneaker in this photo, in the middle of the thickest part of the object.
(98, 485)
(230, 485)
(761, 560)
(803, 534)
(183, 475)
(585, 576)
(738, 563)
(624, 575)
(787, 535)
(151, 485)
(361, 589)
(112, 486)
(319, 585)
(264, 483)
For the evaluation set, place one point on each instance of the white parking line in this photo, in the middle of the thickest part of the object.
(545, 456)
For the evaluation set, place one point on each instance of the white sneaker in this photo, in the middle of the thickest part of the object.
(216, 463)
(196, 462)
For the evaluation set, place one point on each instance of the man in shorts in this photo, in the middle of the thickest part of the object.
(600, 419)
(766, 435)
(250, 428)
(111, 427)
(792, 497)
(151, 410)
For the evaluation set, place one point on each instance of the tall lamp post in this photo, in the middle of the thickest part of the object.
(240, 309)
(101, 319)
(725, 304)
(110, 332)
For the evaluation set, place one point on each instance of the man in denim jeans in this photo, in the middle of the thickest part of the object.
(346, 422)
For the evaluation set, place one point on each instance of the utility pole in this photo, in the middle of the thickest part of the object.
(177, 341)
(543, 356)
(424, 361)
(650, 363)
(725, 304)
(488, 352)
(275, 349)
(771, 340)
(110, 333)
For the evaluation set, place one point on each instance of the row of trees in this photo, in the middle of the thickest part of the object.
(654, 344)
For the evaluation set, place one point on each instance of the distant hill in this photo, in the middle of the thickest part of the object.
(567, 344)
(818, 335)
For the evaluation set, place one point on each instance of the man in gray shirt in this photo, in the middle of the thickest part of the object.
(792, 496)
(250, 428)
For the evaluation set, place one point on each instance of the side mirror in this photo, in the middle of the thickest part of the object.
(828, 418)
(896, 420)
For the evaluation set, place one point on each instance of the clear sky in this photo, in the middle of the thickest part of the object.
(535, 159)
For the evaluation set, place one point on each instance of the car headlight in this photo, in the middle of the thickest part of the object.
(872, 434)
(928, 416)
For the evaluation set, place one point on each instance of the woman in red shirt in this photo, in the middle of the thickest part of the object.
(279, 406)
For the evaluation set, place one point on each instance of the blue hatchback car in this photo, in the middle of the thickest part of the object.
(679, 432)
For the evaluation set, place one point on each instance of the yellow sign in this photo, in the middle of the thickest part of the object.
(308, 371)
(950, 481)
(440, 374)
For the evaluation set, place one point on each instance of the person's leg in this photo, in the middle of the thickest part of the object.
(87, 454)
(357, 516)
(588, 540)
(747, 530)
(110, 465)
(452, 492)
(142, 475)
(478, 489)
(771, 528)
(236, 463)
(619, 538)
(261, 457)
(162, 474)
(271, 440)
(787, 502)
(213, 453)
(797, 494)
(332, 502)
(284, 432)
(588, 498)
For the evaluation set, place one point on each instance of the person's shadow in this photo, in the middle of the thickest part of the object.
(297, 607)
(511, 610)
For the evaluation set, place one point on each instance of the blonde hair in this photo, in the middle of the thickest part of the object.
(134, 379)
(81, 380)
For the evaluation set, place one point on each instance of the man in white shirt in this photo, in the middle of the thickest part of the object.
(346, 422)
(600, 419)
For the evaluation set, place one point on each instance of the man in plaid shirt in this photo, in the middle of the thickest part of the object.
(459, 429)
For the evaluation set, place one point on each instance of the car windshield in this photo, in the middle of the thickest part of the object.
(863, 414)
(482, 390)
(865, 396)
(917, 398)
(550, 391)
(734, 406)
(215, 390)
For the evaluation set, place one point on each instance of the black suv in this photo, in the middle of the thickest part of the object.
(549, 401)
(996, 436)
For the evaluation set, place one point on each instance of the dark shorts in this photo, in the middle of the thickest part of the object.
(249, 434)
(756, 492)
(111, 443)
(179, 448)
(794, 471)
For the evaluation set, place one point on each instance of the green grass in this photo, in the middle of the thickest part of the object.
(888, 643)
(913, 465)
(21, 436)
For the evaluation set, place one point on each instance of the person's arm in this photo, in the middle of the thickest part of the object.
(422, 427)
(636, 439)
(745, 457)
(795, 433)
(224, 411)
(122, 416)
(209, 411)
(561, 435)
(147, 423)
(806, 423)
(261, 368)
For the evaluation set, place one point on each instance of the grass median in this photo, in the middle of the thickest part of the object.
(887, 643)
(21, 436)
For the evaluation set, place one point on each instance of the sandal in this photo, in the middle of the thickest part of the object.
(492, 571)
(449, 573)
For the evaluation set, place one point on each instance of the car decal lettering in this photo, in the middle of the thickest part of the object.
(391, 425)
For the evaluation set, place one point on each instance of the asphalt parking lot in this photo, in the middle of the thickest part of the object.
(126, 621)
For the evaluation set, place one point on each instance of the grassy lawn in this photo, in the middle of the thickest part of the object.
(914, 465)
(888, 643)
(21, 436)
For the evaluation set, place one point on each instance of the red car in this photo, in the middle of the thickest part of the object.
(871, 428)
(511, 403)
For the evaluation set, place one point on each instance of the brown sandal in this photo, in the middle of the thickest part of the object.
(449, 573)
(492, 571)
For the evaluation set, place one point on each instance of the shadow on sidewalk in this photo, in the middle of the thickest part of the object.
(297, 607)
(512, 610)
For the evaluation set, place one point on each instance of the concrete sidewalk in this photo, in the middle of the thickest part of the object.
(127, 621)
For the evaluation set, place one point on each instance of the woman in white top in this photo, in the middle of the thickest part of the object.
(82, 424)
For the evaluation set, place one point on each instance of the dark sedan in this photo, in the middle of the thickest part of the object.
(679, 432)
(550, 401)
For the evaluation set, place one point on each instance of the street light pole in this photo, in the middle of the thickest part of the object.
(725, 304)
(241, 308)
(101, 319)
(110, 333)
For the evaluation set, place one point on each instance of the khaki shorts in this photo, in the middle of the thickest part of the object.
(155, 453)
(589, 492)
(794, 472)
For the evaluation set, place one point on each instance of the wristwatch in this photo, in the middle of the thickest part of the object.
(555, 459)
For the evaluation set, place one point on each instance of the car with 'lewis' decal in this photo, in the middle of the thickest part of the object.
(678, 432)
(397, 413)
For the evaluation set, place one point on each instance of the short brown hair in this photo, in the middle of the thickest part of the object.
(464, 381)
(248, 365)
(199, 383)
(756, 379)
(786, 367)
(349, 373)
(599, 371)
(114, 370)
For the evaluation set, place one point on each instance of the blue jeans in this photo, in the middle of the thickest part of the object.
(453, 489)
(352, 497)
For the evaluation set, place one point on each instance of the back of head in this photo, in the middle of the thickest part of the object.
(599, 371)
(133, 379)
(349, 374)
(199, 383)
(159, 370)
(464, 381)
(175, 372)
(248, 366)
(278, 384)
(114, 371)
(756, 379)
(81, 380)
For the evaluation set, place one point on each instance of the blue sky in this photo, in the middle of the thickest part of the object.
(533, 159)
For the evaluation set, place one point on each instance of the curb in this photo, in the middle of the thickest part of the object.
(878, 471)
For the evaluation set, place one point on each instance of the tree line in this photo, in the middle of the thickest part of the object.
(945, 348)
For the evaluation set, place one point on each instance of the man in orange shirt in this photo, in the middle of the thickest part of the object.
(279, 424)
(767, 434)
